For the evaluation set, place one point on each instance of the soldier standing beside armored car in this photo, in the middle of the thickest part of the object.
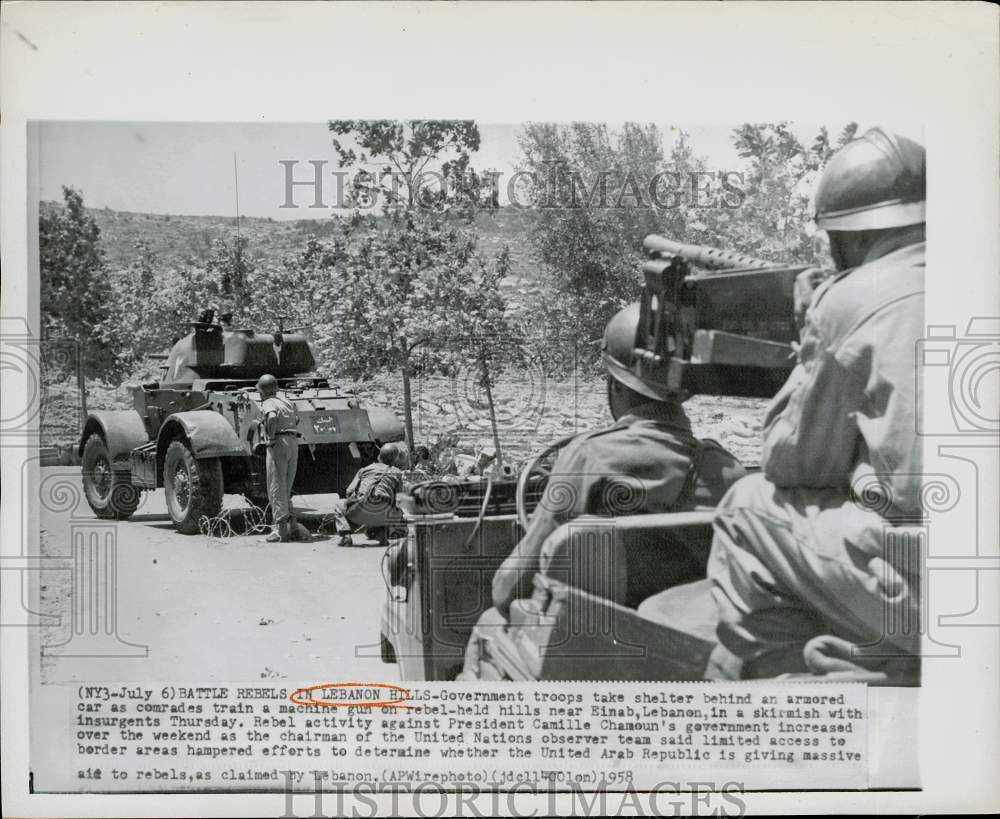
(280, 428)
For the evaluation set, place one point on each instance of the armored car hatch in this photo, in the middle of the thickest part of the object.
(210, 351)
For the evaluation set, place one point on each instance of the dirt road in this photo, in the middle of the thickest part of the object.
(218, 608)
(237, 609)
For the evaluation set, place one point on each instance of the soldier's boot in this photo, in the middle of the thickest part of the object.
(281, 534)
(299, 532)
(343, 526)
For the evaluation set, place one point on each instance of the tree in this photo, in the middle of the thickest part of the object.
(590, 191)
(74, 282)
(294, 291)
(597, 193)
(233, 266)
(134, 325)
(490, 343)
(408, 283)
(415, 163)
(773, 222)
(150, 306)
(406, 286)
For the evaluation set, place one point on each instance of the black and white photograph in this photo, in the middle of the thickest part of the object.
(485, 419)
(617, 454)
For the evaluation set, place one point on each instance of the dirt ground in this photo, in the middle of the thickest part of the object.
(220, 608)
(234, 608)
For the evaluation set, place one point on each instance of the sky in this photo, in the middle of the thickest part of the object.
(188, 168)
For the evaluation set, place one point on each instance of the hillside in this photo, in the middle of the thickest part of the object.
(177, 240)
(566, 407)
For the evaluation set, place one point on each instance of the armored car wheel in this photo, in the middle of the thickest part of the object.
(110, 494)
(193, 487)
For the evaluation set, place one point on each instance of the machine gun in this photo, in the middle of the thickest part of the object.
(725, 330)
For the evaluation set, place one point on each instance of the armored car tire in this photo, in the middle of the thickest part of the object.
(109, 493)
(193, 487)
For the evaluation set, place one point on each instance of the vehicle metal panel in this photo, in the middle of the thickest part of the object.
(123, 431)
(210, 434)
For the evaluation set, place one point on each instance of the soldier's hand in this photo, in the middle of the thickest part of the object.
(805, 285)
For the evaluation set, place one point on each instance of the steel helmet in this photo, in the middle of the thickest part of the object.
(618, 351)
(875, 182)
(267, 384)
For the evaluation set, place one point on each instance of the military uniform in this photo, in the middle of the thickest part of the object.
(371, 496)
(648, 461)
(799, 550)
(281, 422)
(373, 491)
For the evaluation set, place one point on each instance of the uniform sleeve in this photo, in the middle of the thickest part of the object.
(810, 431)
(718, 469)
(625, 472)
(270, 423)
(560, 503)
(352, 487)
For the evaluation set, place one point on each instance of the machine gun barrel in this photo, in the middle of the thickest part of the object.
(712, 258)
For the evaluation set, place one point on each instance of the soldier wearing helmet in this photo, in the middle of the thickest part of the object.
(647, 461)
(370, 498)
(797, 555)
(280, 434)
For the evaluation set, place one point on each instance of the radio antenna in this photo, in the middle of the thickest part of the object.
(236, 180)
